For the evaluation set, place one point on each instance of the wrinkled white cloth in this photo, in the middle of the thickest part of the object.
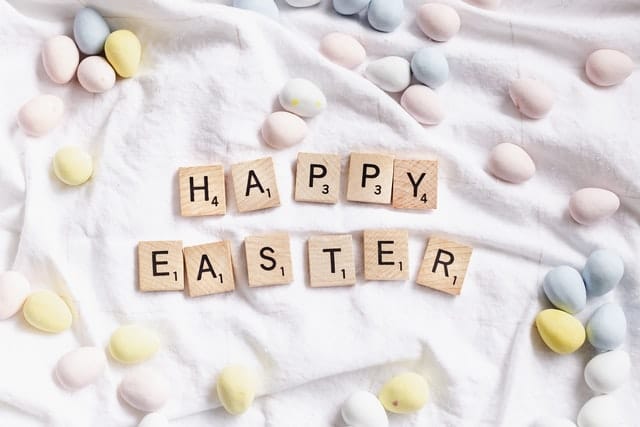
(210, 75)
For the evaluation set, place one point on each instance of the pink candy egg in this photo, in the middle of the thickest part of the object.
(145, 389)
(590, 205)
(608, 67)
(511, 163)
(438, 21)
(343, 50)
(60, 58)
(423, 104)
(96, 75)
(283, 129)
(40, 115)
(531, 97)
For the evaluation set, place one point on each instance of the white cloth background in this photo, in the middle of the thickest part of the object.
(210, 75)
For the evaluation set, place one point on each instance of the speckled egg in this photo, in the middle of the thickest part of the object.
(46, 311)
(423, 104)
(14, 289)
(590, 205)
(343, 49)
(363, 409)
(608, 67)
(602, 272)
(607, 328)
(144, 389)
(608, 371)
(430, 67)
(302, 3)
(154, 419)
(60, 58)
(553, 422)
(123, 51)
(391, 74)
(264, 7)
(350, 7)
(40, 115)
(404, 393)
(80, 367)
(96, 75)
(236, 387)
(73, 165)
(90, 31)
(283, 129)
(560, 331)
(439, 22)
(303, 98)
(385, 15)
(600, 411)
(511, 163)
(564, 287)
(532, 98)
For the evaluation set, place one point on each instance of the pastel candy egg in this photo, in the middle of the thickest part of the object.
(303, 98)
(423, 104)
(343, 50)
(553, 422)
(511, 163)
(90, 31)
(391, 74)
(532, 97)
(133, 344)
(607, 372)
(283, 129)
(302, 3)
(607, 327)
(437, 21)
(154, 419)
(144, 389)
(14, 289)
(590, 205)
(560, 331)
(80, 367)
(264, 7)
(385, 15)
(47, 312)
(608, 67)
(602, 272)
(363, 409)
(564, 287)
(430, 67)
(72, 165)
(96, 75)
(600, 411)
(123, 51)
(40, 115)
(487, 4)
(350, 7)
(236, 387)
(404, 393)
(60, 58)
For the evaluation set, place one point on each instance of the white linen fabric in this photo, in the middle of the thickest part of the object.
(210, 74)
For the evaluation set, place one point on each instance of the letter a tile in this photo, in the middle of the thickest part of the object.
(255, 186)
(209, 269)
(444, 265)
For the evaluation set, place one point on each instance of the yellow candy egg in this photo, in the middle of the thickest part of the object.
(560, 331)
(404, 393)
(73, 165)
(133, 344)
(123, 51)
(46, 311)
(236, 387)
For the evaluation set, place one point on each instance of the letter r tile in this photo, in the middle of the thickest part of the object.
(444, 265)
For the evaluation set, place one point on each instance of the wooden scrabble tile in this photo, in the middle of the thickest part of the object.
(331, 261)
(160, 266)
(444, 265)
(202, 191)
(269, 259)
(209, 269)
(370, 178)
(255, 185)
(386, 254)
(415, 184)
(318, 178)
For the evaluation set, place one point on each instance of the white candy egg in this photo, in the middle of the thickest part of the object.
(423, 104)
(303, 98)
(96, 75)
(606, 372)
(40, 115)
(608, 67)
(60, 58)
(532, 98)
(80, 367)
(391, 74)
(14, 290)
(437, 21)
(363, 409)
(144, 389)
(283, 129)
(600, 411)
(590, 205)
(511, 163)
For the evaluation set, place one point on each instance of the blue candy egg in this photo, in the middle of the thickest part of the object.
(430, 67)
(385, 15)
(350, 7)
(607, 327)
(602, 272)
(90, 31)
(565, 289)
(265, 7)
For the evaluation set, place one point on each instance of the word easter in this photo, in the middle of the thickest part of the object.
(208, 268)
(372, 178)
